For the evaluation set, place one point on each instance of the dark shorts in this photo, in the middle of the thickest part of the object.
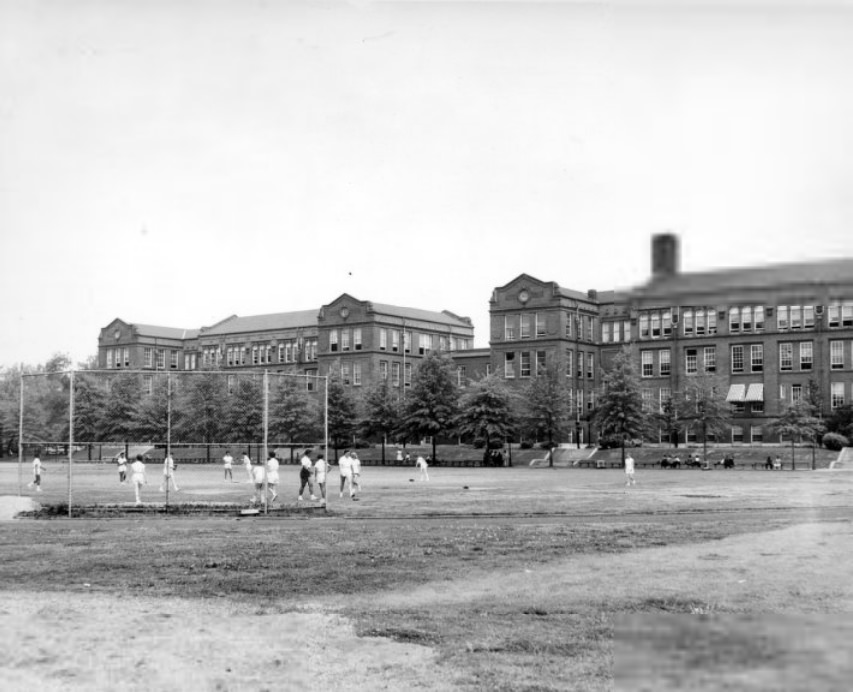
(304, 475)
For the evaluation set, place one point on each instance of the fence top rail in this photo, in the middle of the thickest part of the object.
(129, 371)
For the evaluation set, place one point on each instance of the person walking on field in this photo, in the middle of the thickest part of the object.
(259, 475)
(122, 468)
(228, 462)
(272, 476)
(137, 477)
(320, 476)
(247, 464)
(629, 470)
(421, 463)
(345, 470)
(36, 474)
(306, 470)
(355, 486)
(169, 474)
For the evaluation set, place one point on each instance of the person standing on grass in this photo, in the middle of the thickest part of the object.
(247, 464)
(355, 486)
(345, 470)
(272, 476)
(228, 462)
(36, 474)
(306, 470)
(421, 463)
(259, 475)
(320, 475)
(629, 470)
(168, 474)
(137, 477)
(122, 468)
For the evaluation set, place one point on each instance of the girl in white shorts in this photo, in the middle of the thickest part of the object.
(320, 475)
(272, 476)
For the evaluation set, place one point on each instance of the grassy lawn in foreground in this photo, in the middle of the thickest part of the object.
(510, 601)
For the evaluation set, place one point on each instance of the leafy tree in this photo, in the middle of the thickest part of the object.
(841, 421)
(244, 411)
(548, 405)
(154, 412)
(200, 408)
(486, 410)
(798, 420)
(293, 412)
(381, 412)
(343, 415)
(704, 404)
(672, 417)
(89, 409)
(620, 405)
(121, 409)
(431, 405)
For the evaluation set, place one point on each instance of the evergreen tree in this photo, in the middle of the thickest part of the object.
(486, 410)
(431, 405)
(548, 405)
(620, 406)
(704, 404)
(381, 412)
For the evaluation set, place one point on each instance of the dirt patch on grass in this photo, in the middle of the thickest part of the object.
(62, 641)
(11, 506)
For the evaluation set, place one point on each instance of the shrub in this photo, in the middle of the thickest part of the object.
(526, 445)
(834, 441)
(480, 443)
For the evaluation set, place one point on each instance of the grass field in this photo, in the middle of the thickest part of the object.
(480, 579)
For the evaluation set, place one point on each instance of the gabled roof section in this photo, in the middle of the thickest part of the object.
(526, 279)
(164, 332)
(445, 317)
(774, 276)
(263, 323)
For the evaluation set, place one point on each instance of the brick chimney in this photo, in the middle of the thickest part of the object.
(665, 259)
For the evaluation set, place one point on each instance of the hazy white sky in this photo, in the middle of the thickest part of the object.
(175, 162)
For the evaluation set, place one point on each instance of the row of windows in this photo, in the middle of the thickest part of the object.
(616, 332)
(118, 358)
(744, 358)
(525, 362)
(655, 324)
(389, 340)
(532, 325)
(395, 373)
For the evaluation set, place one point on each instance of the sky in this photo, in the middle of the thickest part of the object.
(174, 162)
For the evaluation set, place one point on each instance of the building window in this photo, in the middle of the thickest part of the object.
(356, 374)
(757, 432)
(690, 361)
(782, 317)
(540, 362)
(231, 383)
(759, 318)
(710, 358)
(756, 357)
(254, 355)
(687, 322)
(666, 320)
(648, 399)
(383, 339)
(333, 340)
(665, 394)
(569, 371)
(605, 332)
(738, 407)
(734, 320)
(356, 339)
(655, 320)
(757, 407)
(345, 373)
(460, 376)
(836, 395)
(644, 326)
(148, 384)
(808, 317)
(395, 374)
(786, 356)
(407, 374)
(173, 358)
(746, 319)
(590, 365)
(836, 355)
(161, 359)
(626, 330)
(345, 340)
(590, 328)
(509, 365)
(525, 326)
(395, 340)
(847, 314)
(525, 364)
(510, 327)
(407, 342)
(796, 393)
(737, 358)
(424, 343)
(796, 317)
(737, 433)
(148, 357)
(383, 370)
(648, 364)
(664, 362)
(806, 353)
(569, 319)
(540, 325)
(579, 361)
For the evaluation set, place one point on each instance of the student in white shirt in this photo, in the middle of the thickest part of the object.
(259, 477)
(422, 465)
(306, 471)
(168, 474)
(629, 470)
(345, 470)
(320, 475)
(355, 487)
(137, 477)
(272, 476)
(228, 462)
(36, 474)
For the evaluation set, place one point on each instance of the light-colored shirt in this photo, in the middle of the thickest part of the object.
(421, 463)
(356, 464)
(345, 465)
(320, 468)
(36, 466)
(259, 473)
(306, 462)
(629, 464)
(138, 469)
(228, 460)
(246, 461)
(272, 470)
(168, 466)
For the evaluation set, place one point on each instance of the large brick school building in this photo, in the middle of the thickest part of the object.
(768, 332)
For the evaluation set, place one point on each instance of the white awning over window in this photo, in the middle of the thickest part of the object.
(736, 393)
(754, 393)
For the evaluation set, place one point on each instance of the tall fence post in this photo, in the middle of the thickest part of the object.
(70, 434)
(21, 438)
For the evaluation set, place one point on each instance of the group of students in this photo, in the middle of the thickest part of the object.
(138, 476)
